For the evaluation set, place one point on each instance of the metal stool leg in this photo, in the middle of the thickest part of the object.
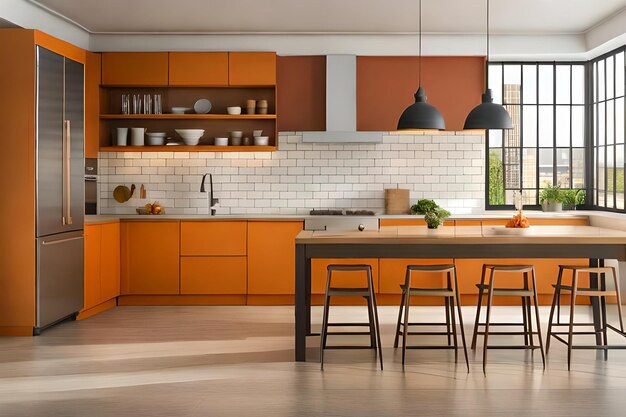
(370, 315)
(377, 327)
(448, 330)
(324, 333)
(397, 337)
(619, 299)
(536, 302)
(605, 337)
(571, 320)
(525, 320)
(459, 312)
(528, 311)
(405, 328)
(478, 306)
(556, 298)
(486, 336)
(450, 301)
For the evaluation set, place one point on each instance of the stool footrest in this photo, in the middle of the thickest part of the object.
(426, 333)
(578, 333)
(501, 324)
(513, 347)
(348, 324)
(507, 333)
(589, 347)
(348, 347)
(348, 333)
(425, 324)
(426, 347)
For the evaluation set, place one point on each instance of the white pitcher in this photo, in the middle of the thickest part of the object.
(137, 135)
(122, 136)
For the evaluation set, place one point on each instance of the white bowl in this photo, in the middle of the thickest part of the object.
(221, 141)
(261, 141)
(191, 142)
(180, 110)
(233, 110)
(202, 106)
(191, 137)
(256, 133)
(156, 138)
(236, 134)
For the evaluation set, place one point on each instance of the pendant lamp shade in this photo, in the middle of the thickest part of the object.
(488, 115)
(421, 115)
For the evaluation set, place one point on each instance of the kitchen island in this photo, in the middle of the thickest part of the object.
(457, 242)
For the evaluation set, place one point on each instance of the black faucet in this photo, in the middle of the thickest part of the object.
(213, 201)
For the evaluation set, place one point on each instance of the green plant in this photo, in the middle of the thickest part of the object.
(572, 198)
(551, 194)
(496, 179)
(433, 214)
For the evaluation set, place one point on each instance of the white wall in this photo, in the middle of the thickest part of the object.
(300, 176)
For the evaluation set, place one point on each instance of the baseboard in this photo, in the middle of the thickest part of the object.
(180, 300)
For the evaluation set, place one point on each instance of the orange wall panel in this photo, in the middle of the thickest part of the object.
(92, 104)
(17, 173)
(341, 279)
(213, 275)
(92, 291)
(271, 257)
(198, 68)
(135, 68)
(252, 68)
(213, 238)
(150, 257)
(110, 261)
(385, 87)
(301, 93)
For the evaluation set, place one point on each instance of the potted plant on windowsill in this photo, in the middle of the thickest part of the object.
(551, 198)
(572, 198)
(433, 214)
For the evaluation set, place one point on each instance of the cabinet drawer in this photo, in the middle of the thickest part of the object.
(213, 275)
(198, 68)
(252, 68)
(135, 68)
(213, 238)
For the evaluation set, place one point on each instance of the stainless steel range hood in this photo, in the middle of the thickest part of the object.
(341, 105)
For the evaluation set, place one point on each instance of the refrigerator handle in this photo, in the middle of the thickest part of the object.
(67, 154)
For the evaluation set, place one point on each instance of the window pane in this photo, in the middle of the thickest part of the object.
(530, 84)
(619, 75)
(529, 197)
(530, 168)
(578, 84)
(496, 177)
(512, 168)
(578, 126)
(495, 138)
(546, 86)
(601, 176)
(512, 83)
(546, 130)
(512, 136)
(578, 168)
(610, 171)
(562, 125)
(545, 167)
(601, 124)
(610, 77)
(619, 120)
(530, 126)
(619, 173)
(610, 122)
(562, 84)
(601, 76)
(562, 167)
(495, 82)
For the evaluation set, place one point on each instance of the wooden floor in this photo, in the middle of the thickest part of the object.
(238, 361)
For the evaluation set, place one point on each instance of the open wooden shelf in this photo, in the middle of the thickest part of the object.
(188, 116)
(184, 148)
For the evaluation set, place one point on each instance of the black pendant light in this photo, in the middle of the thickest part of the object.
(421, 115)
(488, 115)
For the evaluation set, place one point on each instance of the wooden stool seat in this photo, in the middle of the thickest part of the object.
(526, 293)
(600, 329)
(450, 296)
(366, 292)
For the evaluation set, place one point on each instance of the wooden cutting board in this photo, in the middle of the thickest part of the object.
(397, 201)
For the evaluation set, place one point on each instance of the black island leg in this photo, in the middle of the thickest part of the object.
(302, 301)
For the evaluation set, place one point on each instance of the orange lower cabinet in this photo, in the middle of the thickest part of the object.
(150, 257)
(341, 279)
(213, 238)
(110, 261)
(219, 275)
(271, 257)
(393, 273)
(92, 266)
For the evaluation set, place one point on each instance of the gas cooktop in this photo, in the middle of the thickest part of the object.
(341, 212)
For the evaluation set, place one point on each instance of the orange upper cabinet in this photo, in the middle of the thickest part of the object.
(135, 68)
(271, 257)
(198, 69)
(252, 68)
(150, 257)
(213, 238)
(92, 104)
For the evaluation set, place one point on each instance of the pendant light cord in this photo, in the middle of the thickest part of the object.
(487, 63)
(419, 48)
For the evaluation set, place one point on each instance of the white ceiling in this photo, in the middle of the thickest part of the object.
(525, 17)
(6, 24)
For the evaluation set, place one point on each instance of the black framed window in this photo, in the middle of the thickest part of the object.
(607, 130)
(546, 101)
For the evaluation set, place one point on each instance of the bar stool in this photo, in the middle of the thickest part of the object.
(366, 292)
(574, 290)
(450, 295)
(526, 293)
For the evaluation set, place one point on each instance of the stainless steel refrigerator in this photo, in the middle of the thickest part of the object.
(60, 188)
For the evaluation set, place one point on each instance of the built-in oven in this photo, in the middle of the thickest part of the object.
(91, 186)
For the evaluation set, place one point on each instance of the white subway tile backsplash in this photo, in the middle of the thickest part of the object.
(300, 176)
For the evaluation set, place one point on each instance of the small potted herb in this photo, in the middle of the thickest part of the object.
(572, 198)
(551, 198)
(433, 214)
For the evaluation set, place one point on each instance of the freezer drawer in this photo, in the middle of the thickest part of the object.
(59, 277)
